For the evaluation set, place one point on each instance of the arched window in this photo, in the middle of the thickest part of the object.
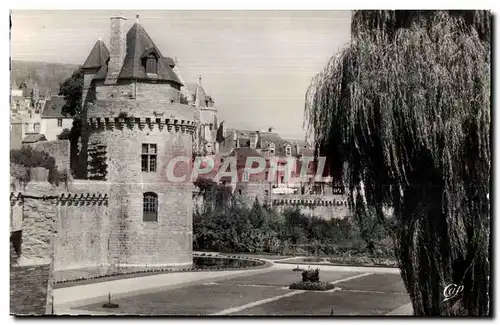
(288, 150)
(151, 64)
(150, 207)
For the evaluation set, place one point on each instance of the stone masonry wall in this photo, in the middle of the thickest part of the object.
(159, 91)
(31, 274)
(326, 207)
(162, 93)
(118, 91)
(132, 241)
(324, 212)
(82, 240)
(28, 289)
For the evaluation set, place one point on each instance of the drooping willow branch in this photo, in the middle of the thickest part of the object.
(403, 114)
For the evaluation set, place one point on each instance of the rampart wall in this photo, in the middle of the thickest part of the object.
(323, 206)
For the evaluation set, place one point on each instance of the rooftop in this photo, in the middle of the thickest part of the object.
(53, 108)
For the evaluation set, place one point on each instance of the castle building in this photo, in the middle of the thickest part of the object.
(137, 123)
(206, 120)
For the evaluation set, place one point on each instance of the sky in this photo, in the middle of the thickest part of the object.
(256, 65)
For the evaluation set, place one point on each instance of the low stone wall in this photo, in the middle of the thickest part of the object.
(29, 289)
(106, 270)
(58, 227)
(83, 221)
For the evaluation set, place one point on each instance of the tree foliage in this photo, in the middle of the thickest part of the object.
(403, 113)
(64, 135)
(224, 224)
(71, 89)
(31, 158)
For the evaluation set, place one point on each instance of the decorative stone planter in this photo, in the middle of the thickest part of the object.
(39, 174)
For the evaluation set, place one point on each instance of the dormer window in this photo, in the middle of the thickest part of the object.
(272, 149)
(151, 64)
(288, 150)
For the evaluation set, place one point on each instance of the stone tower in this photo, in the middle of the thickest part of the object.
(206, 119)
(136, 125)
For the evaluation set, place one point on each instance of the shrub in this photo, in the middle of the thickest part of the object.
(30, 158)
(64, 135)
(221, 224)
(316, 286)
(310, 276)
(19, 173)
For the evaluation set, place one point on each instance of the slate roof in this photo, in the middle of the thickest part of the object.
(242, 154)
(195, 89)
(139, 44)
(304, 148)
(97, 57)
(32, 138)
(53, 108)
(264, 139)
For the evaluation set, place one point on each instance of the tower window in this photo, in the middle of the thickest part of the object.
(59, 122)
(151, 64)
(150, 207)
(148, 158)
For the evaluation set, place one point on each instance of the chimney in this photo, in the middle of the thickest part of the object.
(270, 129)
(255, 140)
(297, 148)
(117, 49)
(235, 139)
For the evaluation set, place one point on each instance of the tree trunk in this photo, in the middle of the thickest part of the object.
(430, 259)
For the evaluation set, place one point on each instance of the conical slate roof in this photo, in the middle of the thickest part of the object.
(97, 57)
(139, 45)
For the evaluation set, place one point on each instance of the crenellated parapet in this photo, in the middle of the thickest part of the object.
(64, 199)
(309, 202)
(172, 125)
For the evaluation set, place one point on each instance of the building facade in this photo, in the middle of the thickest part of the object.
(53, 122)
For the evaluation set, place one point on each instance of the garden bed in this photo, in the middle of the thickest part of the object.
(314, 286)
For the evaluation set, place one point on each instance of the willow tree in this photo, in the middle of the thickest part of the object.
(403, 116)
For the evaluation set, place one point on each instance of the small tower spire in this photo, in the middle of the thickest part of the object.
(137, 18)
(199, 80)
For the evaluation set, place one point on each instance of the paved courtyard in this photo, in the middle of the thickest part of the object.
(360, 291)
